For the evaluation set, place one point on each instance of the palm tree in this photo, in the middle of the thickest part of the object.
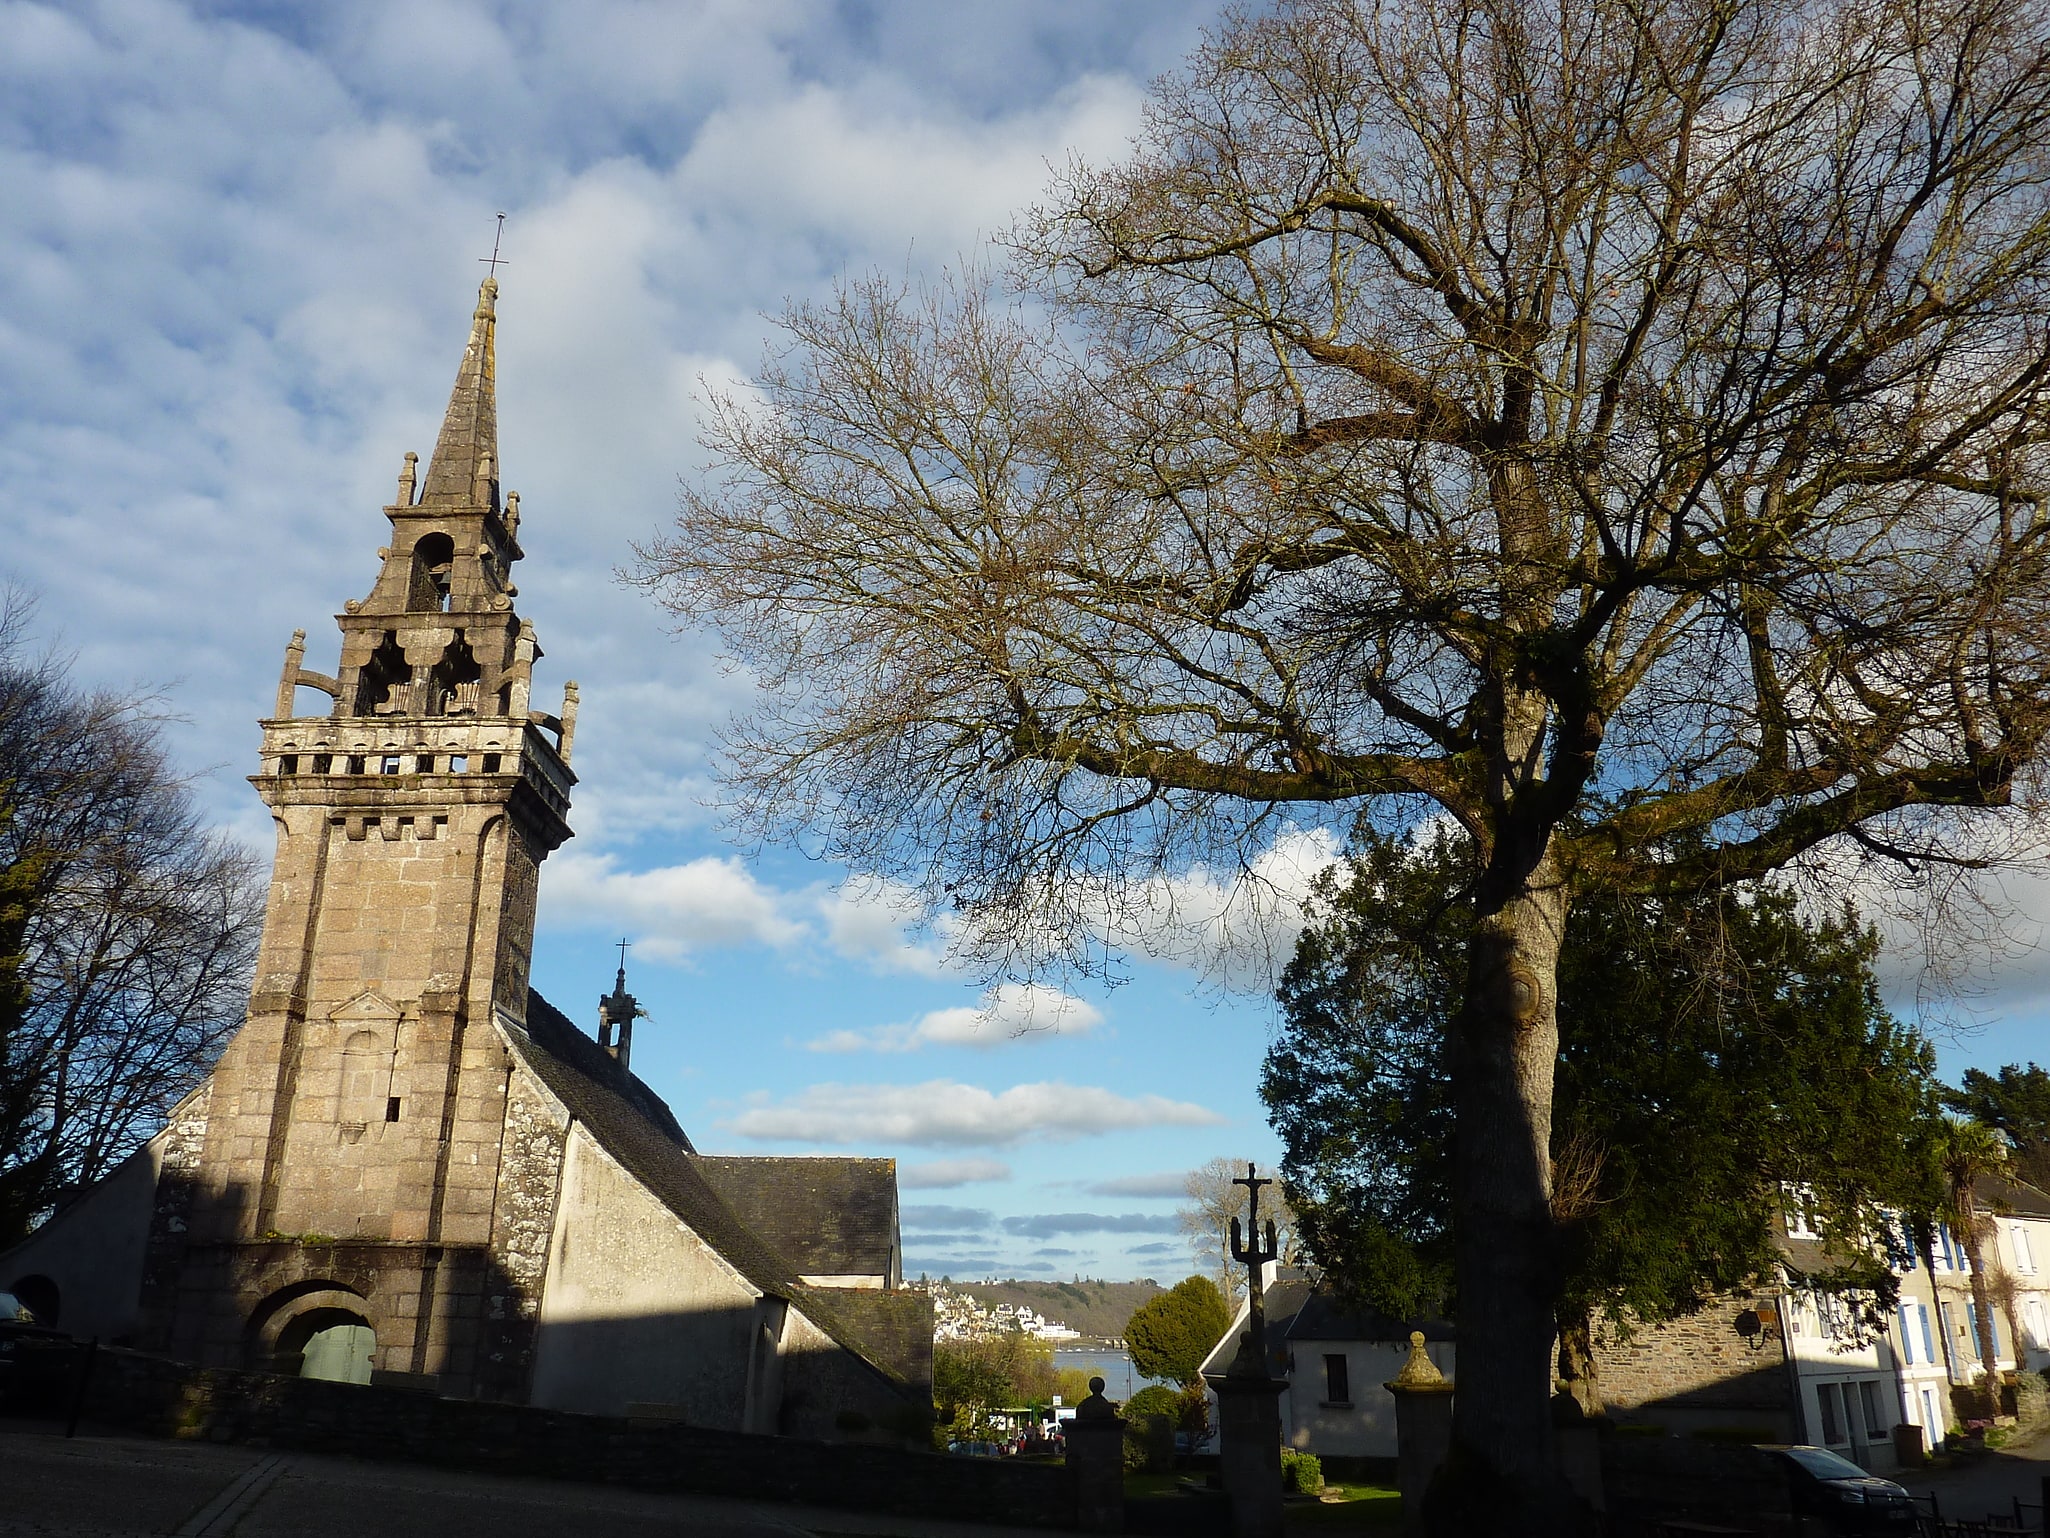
(1966, 1150)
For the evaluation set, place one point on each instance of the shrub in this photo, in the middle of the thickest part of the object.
(1149, 1443)
(1156, 1400)
(1301, 1473)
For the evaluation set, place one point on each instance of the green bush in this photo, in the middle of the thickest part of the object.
(1301, 1473)
(1149, 1443)
(1156, 1400)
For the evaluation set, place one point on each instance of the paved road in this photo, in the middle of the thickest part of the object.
(120, 1487)
(1989, 1487)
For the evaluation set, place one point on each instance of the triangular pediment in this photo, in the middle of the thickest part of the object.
(365, 1006)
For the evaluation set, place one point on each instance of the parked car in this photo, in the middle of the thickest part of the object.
(33, 1356)
(1842, 1496)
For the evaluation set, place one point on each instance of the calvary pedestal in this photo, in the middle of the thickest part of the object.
(1249, 1433)
(1248, 1395)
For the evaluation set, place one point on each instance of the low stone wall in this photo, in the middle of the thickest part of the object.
(132, 1392)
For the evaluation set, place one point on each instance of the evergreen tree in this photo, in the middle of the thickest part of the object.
(2015, 1103)
(1716, 1052)
(1170, 1335)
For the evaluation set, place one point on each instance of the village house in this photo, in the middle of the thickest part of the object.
(408, 1167)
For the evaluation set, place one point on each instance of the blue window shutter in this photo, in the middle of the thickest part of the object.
(1928, 1345)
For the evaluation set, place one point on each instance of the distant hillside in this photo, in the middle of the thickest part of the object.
(1095, 1308)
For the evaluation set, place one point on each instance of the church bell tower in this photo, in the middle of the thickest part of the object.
(357, 1116)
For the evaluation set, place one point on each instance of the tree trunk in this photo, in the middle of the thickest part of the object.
(1579, 1375)
(1503, 1476)
(1982, 1310)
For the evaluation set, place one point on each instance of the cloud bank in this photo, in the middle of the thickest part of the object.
(943, 1113)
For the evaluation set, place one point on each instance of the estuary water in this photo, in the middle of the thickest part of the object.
(1121, 1380)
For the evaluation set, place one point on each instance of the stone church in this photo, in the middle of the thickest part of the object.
(408, 1167)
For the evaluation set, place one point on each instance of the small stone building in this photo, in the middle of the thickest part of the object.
(409, 1167)
(1335, 1361)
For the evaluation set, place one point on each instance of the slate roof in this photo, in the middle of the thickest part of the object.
(633, 1124)
(827, 1216)
(2010, 1198)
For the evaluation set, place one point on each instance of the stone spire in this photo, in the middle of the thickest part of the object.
(464, 470)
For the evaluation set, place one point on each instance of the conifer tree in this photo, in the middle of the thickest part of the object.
(1717, 1053)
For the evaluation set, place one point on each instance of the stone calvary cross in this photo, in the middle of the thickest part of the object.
(1254, 1254)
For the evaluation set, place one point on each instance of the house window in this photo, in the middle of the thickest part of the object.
(390, 764)
(1337, 1383)
(1868, 1401)
(1831, 1397)
(289, 764)
(1907, 1334)
(1932, 1423)
(458, 763)
(391, 1108)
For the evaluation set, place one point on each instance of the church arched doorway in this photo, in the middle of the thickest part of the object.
(330, 1343)
(317, 1328)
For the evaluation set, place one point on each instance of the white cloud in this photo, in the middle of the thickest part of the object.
(866, 918)
(944, 1113)
(929, 1219)
(673, 910)
(1167, 1183)
(1009, 1012)
(948, 1174)
(1236, 928)
(1045, 1225)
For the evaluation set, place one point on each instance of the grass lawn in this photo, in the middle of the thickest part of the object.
(1360, 1508)
(1364, 1508)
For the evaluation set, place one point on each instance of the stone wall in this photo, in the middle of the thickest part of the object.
(132, 1392)
(1698, 1370)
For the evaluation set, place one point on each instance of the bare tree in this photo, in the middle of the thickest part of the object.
(127, 931)
(1618, 428)
(1213, 1201)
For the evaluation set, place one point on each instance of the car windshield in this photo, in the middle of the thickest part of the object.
(12, 1311)
(1824, 1464)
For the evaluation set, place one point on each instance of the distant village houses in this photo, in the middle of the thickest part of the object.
(961, 1316)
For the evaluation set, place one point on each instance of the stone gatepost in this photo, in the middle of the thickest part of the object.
(1096, 1463)
(1423, 1430)
(1249, 1436)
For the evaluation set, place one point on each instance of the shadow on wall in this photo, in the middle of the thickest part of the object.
(181, 1281)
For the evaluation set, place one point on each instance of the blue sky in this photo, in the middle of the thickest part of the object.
(240, 244)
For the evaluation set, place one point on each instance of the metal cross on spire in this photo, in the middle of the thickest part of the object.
(622, 956)
(494, 260)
